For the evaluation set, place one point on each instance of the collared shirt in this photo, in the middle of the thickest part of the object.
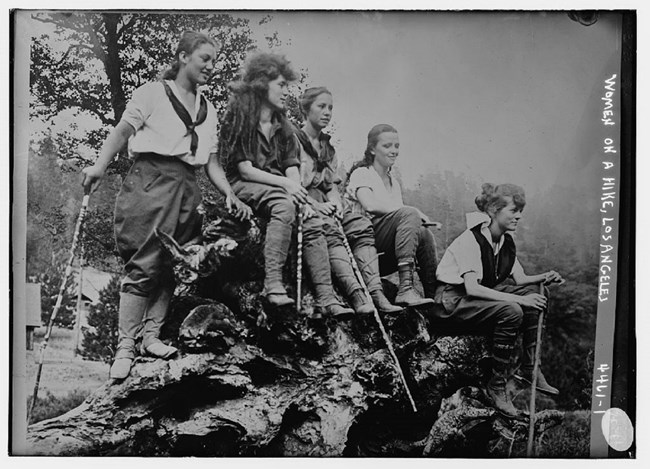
(160, 130)
(318, 169)
(390, 198)
(270, 157)
(464, 255)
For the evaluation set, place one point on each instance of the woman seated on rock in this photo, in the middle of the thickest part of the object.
(319, 167)
(401, 236)
(262, 161)
(476, 299)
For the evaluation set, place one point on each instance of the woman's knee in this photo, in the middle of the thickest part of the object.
(410, 214)
(313, 227)
(283, 209)
(511, 313)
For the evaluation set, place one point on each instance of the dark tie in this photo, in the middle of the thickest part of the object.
(181, 111)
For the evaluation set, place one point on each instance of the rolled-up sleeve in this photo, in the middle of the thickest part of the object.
(290, 158)
(140, 106)
(358, 179)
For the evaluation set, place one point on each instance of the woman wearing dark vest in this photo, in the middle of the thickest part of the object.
(171, 130)
(319, 175)
(473, 294)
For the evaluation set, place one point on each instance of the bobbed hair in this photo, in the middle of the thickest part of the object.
(494, 197)
(238, 130)
(308, 98)
(188, 43)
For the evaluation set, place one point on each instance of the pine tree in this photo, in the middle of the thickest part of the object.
(100, 338)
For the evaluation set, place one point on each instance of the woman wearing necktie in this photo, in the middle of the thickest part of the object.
(171, 129)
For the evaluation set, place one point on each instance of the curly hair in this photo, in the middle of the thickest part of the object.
(188, 43)
(308, 98)
(495, 197)
(238, 129)
(368, 156)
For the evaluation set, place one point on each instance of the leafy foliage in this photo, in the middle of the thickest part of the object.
(100, 338)
(50, 280)
(106, 59)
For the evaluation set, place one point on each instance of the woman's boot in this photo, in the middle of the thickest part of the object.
(153, 321)
(525, 373)
(406, 294)
(276, 250)
(132, 309)
(496, 387)
(344, 275)
(367, 260)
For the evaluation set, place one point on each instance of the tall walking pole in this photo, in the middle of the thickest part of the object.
(59, 299)
(530, 450)
(77, 325)
(299, 260)
(389, 344)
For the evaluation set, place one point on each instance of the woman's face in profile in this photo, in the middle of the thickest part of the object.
(386, 149)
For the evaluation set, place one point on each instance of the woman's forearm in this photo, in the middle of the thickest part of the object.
(217, 175)
(252, 174)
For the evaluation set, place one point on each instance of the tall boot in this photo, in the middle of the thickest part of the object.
(496, 387)
(132, 309)
(344, 274)
(427, 263)
(367, 260)
(525, 373)
(153, 321)
(318, 264)
(276, 250)
(406, 294)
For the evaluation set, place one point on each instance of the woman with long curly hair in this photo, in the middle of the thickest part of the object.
(262, 160)
(174, 132)
(319, 166)
(401, 233)
(476, 298)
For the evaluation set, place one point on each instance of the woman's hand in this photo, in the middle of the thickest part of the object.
(327, 208)
(92, 177)
(296, 191)
(237, 208)
(308, 212)
(553, 277)
(534, 301)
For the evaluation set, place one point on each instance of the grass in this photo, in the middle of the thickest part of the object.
(569, 440)
(65, 381)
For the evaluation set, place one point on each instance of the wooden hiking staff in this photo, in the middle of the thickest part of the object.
(530, 449)
(299, 259)
(59, 299)
(384, 334)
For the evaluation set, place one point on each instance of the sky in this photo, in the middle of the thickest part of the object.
(495, 95)
(498, 96)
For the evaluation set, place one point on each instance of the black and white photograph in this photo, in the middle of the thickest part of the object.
(243, 233)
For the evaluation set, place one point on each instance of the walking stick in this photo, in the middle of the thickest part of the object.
(59, 299)
(299, 260)
(530, 450)
(389, 344)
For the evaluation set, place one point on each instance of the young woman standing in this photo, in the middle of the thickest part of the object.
(401, 235)
(476, 299)
(171, 129)
(319, 175)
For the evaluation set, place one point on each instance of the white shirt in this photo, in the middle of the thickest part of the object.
(464, 255)
(390, 198)
(160, 130)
